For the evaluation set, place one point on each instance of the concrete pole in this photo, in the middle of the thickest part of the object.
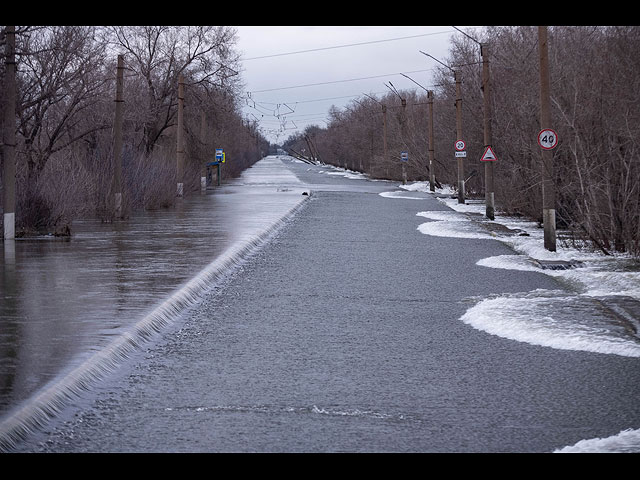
(384, 138)
(432, 174)
(404, 136)
(203, 139)
(9, 136)
(548, 187)
(488, 165)
(180, 134)
(117, 139)
(460, 160)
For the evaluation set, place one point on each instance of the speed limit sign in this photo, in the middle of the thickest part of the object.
(460, 145)
(547, 139)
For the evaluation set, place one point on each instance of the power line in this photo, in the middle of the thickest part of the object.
(309, 101)
(346, 45)
(337, 81)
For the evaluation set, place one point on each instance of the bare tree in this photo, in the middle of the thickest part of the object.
(595, 73)
(60, 80)
(159, 54)
(65, 87)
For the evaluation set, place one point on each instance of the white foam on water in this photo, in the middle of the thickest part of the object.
(509, 262)
(350, 175)
(399, 194)
(551, 318)
(451, 224)
(627, 441)
(425, 187)
(564, 320)
(343, 172)
(52, 398)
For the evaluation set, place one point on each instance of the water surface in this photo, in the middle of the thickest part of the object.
(64, 300)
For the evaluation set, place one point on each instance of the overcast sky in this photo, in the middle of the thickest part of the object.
(336, 63)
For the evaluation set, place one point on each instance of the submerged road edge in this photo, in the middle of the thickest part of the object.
(49, 401)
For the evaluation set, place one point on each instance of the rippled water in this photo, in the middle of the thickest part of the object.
(74, 308)
(593, 316)
(64, 300)
(599, 312)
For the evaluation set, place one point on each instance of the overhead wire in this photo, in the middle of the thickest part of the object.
(345, 45)
(336, 81)
(283, 122)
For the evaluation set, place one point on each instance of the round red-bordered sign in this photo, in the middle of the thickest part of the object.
(460, 145)
(547, 139)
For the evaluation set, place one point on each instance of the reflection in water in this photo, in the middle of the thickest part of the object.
(64, 303)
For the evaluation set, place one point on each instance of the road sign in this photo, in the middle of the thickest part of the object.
(404, 156)
(547, 139)
(460, 145)
(218, 154)
(461, 154)
(488, 155)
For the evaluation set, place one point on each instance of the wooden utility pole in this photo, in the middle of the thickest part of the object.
(548, 187)
(9, 135)
(456, 76)
(432, 174)
(117, 139)
(180, 134)
(488, 165)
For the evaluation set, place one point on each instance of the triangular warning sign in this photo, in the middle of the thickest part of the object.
(488, 155)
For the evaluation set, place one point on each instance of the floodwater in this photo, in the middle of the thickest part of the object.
(64, 302)
(391, 365)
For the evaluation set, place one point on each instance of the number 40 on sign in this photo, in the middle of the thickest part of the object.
(547, 139)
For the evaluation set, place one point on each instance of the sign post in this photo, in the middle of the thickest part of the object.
(547, 139)
(219, 159)
(404, 158)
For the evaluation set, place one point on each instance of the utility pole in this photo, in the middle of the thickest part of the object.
(460, 159)
(9, 136)
(456, 76)
(548, 187)
(117, 139)
(432, 174)
(384, 128)
(384, 135)
(403, 126)
(203, 161)
(489, 198)
(180, 133)
(404, 136)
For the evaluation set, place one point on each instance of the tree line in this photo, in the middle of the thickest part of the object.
(595, 108)
(65, 91)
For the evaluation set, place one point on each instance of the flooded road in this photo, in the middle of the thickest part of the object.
(354, 328)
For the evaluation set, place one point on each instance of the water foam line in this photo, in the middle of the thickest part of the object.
(45, 405)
